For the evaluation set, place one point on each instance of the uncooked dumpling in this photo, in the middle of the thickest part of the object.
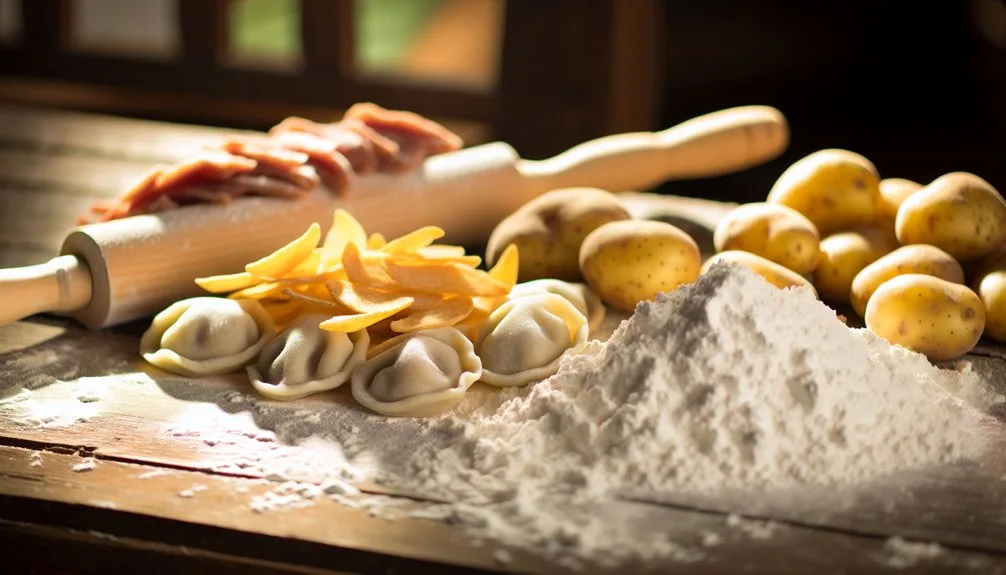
(417, 374)
(206, 335)
(305, 359)
(579, 294)
(524, 339)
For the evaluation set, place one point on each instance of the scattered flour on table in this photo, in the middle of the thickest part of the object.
(191, 491)
(88, 464)
(902, 554)
(726, 383)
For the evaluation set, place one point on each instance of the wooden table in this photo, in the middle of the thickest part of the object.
(109, 466)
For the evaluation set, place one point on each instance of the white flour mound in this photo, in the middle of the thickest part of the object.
(726, 383)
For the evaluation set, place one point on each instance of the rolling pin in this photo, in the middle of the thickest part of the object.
(123, 270)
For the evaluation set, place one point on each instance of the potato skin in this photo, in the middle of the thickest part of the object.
(990, 285)
(959, 213)
(932, 316)
(835, 189)
(894, 192)
(549, 230)
(914, 259)
(844, 255)
(775, 232)
(775, 274)
(630, 261)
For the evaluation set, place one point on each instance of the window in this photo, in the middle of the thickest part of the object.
(125, 27)
(263, 33)
(456, 41)
(10, 21)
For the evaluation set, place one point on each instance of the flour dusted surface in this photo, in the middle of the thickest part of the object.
(725, 383)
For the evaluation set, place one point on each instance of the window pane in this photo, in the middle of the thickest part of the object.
(264, 32)
(10, 20)
(148, 28)
(452, 40)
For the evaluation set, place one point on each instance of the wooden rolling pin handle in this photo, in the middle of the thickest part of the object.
(63, 284)
(719, 143)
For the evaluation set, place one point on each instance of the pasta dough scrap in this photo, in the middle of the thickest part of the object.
(579, 294)
(305, 359)
(525, 338)
(206, 335)
(417, 374)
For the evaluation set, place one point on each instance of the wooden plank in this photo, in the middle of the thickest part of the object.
(219, 425)
(75, 175)
(113, 497)
(38, 219)
(116, 501)
(59, 132)
(54, 550)
(15, 256)
(253, 85)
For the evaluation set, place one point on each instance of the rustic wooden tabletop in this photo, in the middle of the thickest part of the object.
(108, 465)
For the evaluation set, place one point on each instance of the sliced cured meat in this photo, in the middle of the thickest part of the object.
(417, 137)
(304, 177)
(295, 157)
(332, 166)
(262, 185)
(205, 166)
(264, 151)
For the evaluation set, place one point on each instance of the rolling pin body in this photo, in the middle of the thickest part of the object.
(141, 264)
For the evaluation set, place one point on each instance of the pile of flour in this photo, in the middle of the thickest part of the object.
(725, 383)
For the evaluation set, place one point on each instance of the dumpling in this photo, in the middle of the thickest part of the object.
(579, 294)
(206, 335)
(524, 339)
(305, 359)
(417, 374)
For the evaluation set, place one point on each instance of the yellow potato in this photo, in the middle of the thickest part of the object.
(549, 229)
(775, 274)
(775, 232)
(914, 259)
(990, 284)
(959, 213)
(630, 261)
(893, 193)
(845, 254)
(835, 189)
(932, 316)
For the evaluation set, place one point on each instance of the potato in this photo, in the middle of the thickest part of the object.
(914, 259)
(990, 284)
(775, 274)
(959, 213)
(893, 193)
(835, 189)
(940, 319)
(549, 229)
(630, 261)
(777, 233)
(845, 254)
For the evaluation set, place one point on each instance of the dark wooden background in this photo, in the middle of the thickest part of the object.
(917, 87)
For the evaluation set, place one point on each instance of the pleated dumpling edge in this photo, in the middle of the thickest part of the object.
(417, 374)
(206, 335)
(303, 359)
(524, 339)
